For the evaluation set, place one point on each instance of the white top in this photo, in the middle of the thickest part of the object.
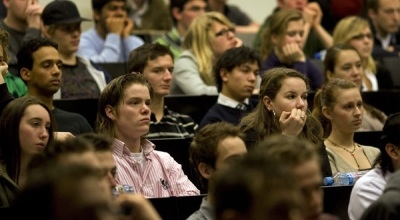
(372, 78)
(226, 101)
(385, 41)
(366, 190)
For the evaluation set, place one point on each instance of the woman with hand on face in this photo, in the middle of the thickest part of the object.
(355, 31)
(26, 128)
(208, 37)
(344, 61)
(282, 109)
(339, 108)
(282, 46)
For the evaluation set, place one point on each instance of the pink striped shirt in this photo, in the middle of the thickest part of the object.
(162, 176)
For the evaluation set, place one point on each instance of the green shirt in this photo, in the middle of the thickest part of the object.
(173, 40)
(16, 86)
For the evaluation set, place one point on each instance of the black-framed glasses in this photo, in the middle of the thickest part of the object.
(224, 32)
(362, 36)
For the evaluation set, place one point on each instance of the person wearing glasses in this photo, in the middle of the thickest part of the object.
(208, 37)
(356, 32)
(110, 39)
(282, 45)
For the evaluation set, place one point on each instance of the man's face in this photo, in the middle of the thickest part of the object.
(190, 11)
(45, 76)
(108, 164)
(229, 150)
(116, 8)
(239, 83)
(386, 19)
(17, 8)
(159, 73)
(309, 178)
(67, 37)
(292, 4)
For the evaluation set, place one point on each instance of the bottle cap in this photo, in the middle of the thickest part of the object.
(328, 181)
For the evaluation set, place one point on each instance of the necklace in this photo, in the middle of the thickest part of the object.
(351, 152)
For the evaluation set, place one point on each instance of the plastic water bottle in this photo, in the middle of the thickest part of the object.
(344, 179)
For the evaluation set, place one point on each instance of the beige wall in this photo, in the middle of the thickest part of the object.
(256, 9)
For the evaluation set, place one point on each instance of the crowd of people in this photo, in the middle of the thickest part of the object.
(260, 152)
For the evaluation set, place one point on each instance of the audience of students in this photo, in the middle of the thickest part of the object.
(371, 186)
(62, 24)
(110, 39)
(156, 63)
(124, 115)
(240, 19)
(149, 14)
(214, 147)
(39, 65)
(282, 109)
(356, 31)
(338, 107)
(208, 37)
(236, 75)
(384, 16)
(344, 61)
(183, 12)
(22, 22)
(26, 128)
(282, 46)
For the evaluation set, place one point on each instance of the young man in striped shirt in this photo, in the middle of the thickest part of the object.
(124, 116)
(156, 63)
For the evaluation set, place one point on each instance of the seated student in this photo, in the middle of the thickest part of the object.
(81, 80)
(149, 14)
(214, 147)
(256, 188)
(304, 164)
(356, 31)
(124, 115)
(236, 77)
(183, 12)
(282, 44)
(387, 206)
(208, 37)
(39, 65)
(110, 39)
(156, 63)
(16, 87)
(241, 20)
(369, 187)
(344, 61)
(26, 128)
(339, 108)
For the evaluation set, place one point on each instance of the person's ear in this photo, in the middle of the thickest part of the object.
(327, 113)
(372, 14)
(45, 31)
(392, 151)
(96, 15)
(224, 74)
(268, 103)
(25, 74)
(110, 112)
(328, 75)
(176, 13)
(205, 170)
(274, 39)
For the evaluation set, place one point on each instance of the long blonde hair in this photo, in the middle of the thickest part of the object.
(199, 38)
(349, 27)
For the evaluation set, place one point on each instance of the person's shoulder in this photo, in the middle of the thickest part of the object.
(67, 114)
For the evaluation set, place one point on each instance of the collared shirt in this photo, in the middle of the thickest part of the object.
(367, 190)
(161, 175)
(138, 13)
(172, 125)
(226, 101)
(385, 41)
(205, 212)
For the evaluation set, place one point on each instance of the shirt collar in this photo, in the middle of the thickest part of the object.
(226, 101)
(120, 149)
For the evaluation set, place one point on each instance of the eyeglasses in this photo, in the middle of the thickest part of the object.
(362, 36)
(224, 32)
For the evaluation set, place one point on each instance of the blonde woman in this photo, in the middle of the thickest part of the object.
(210, 35)
(355, 31)
(282, 46)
